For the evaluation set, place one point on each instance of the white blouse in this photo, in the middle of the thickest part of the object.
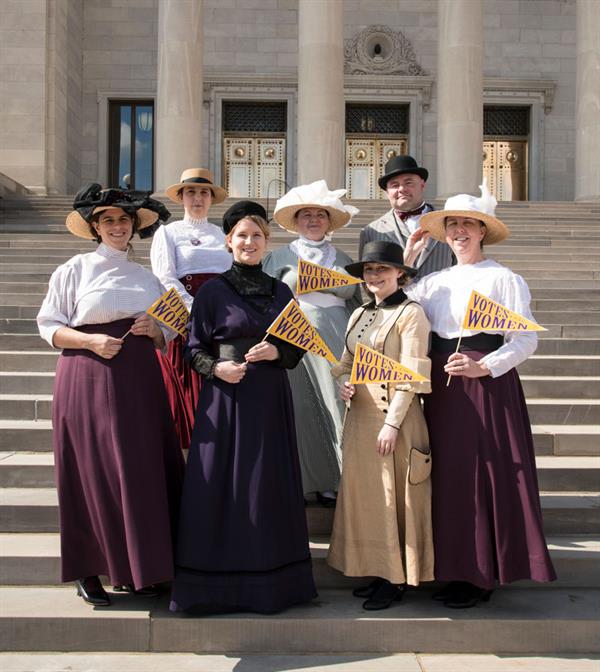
(444, 296)
(186, 247)
(97, 287)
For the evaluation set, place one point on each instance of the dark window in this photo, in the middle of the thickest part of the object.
(379, 119)
(505, 120)
(131, 144)
(240, 117)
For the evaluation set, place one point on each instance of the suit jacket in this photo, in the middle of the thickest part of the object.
(434, 257)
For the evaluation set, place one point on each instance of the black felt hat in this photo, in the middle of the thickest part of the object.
(400, 165)
(240, 210)
(381, 252)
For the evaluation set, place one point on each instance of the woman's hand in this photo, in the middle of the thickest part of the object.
(460, 364)
(262, 351)
(102, 345)
(415, 245)
(386, 441)
(347, 391)
(230, 372)
(145, 325)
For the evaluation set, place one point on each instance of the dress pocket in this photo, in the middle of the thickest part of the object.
(419, 466)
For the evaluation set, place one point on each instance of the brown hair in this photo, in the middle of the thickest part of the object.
(259, 221)
(95, 218)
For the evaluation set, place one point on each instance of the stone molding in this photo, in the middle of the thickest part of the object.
(506, 88)
(396, 55)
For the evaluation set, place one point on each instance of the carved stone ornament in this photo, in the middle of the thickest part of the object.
(378, 50)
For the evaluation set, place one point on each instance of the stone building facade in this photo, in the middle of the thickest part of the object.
(307, 84)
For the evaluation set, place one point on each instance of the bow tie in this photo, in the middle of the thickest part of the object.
(411, 213)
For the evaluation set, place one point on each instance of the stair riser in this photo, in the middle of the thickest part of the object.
(538, 367)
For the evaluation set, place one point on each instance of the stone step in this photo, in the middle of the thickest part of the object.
(36, 510)
(558, 346)
(30, 383)
(580, 387)
(22, 360)
(549, 439)
(565, 411)
(20, 469)
(34, 559)
(550, 365)
(26, 406)
(517, 620)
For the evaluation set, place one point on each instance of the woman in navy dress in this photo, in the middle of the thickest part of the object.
(243, 541)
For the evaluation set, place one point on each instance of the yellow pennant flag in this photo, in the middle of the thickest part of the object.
(171, 310)
(293, 326)
(370, 366)
(484, 314)
(312, 278)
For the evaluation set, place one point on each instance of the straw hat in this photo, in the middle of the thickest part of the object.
(465, 205)
(381, 252)
(314, 195)
(92, 199)
(196, 176)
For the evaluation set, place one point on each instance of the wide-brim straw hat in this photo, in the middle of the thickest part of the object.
(196, 177)
(465, 205)
(381, 252)
(78, 226)
(314, 195)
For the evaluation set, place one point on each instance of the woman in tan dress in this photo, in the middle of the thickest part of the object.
(382, 525)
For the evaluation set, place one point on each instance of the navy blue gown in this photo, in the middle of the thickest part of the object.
(243, 541)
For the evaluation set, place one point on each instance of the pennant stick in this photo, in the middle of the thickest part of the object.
(457, 347)
(126, 334)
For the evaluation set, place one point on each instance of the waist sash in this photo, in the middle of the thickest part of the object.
(235, 348)
(477, 342)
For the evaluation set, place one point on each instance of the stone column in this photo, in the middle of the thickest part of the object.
(321, 114)
(179, 90)
(459, 97)
(587, 146)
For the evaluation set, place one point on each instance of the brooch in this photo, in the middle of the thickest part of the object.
(195, 241)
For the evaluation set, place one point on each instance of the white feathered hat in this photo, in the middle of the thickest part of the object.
(465, 205)
(314, 195)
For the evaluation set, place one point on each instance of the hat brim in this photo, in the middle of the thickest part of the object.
(423, 173)
(219, 194)
(78, 226)
(434, 224)
(286, 220)
(356, 269)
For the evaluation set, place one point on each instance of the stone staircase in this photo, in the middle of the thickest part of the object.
(555, 246)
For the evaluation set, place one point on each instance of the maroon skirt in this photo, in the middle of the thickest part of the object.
(119, 470)
(181, 381)
(487, 520)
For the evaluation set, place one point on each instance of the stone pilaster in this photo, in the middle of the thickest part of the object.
(179, 89)
(587, 147)
(321, 115)
(460, 96)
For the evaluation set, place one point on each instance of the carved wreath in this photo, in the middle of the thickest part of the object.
(395, 55)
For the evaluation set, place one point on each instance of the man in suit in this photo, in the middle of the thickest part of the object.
(404, 182)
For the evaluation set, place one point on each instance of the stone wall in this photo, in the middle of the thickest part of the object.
(22, 91)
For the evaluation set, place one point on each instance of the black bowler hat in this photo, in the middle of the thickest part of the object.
(399, 165)
(381, 252)
(240, 210)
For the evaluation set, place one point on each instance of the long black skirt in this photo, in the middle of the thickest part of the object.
(119, 469)
(487, 520)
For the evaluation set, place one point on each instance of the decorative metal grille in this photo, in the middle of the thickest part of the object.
(504, 120)
(378, 119)
(254, 117)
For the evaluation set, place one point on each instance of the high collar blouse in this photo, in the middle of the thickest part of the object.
(444, 296)
(186, 247)
(97, 287)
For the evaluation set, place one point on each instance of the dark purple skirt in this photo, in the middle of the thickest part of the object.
(119, 469)
(487, 520)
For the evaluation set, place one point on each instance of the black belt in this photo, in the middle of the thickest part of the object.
(235, 348)
(478, 342)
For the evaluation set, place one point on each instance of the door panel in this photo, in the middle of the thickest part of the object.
(505, 166)
(254, 167)
(365, 164)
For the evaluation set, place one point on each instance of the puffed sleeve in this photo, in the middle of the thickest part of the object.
(518, 346)
(414, 329)
(59, 304)
(164, 266)
(344, 366)
(198, 351)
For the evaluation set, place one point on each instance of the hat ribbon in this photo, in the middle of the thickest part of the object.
(196, 180)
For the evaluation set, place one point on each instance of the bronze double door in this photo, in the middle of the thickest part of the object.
(505, 162)
(254, 166)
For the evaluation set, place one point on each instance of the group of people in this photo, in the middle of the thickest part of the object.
(434, 487)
